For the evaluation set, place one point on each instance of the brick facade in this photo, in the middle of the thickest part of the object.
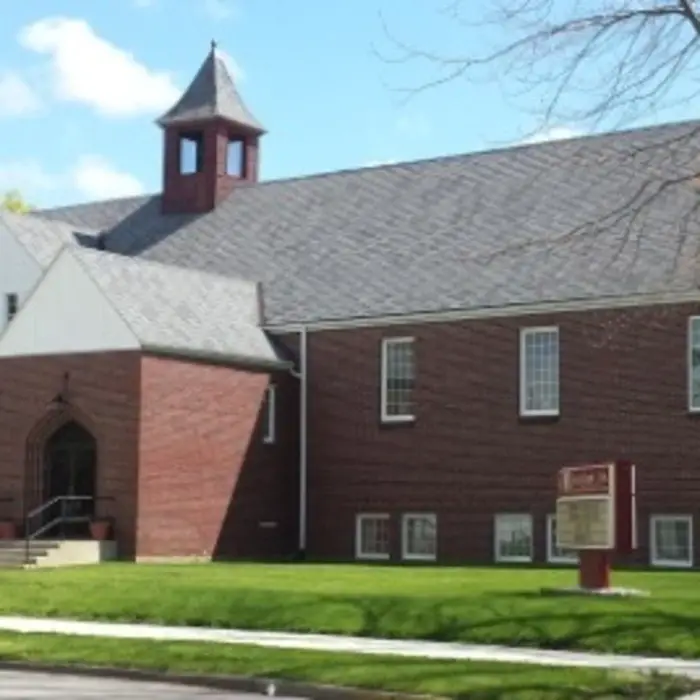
(209, 485)
(181, 463)
(469, 455)
(102, 393)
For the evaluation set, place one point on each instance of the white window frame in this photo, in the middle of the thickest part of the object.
(405, 554)
(692, 320)
(370, 556)
(386, 344)
(525, 333)
(498, 557)
(553, 558)
(270, 423)
(669, 563)
(11, 299)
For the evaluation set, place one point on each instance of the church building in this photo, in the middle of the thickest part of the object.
(377, 364)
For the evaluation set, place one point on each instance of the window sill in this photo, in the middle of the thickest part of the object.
(419, 557)
(372, 557)
(540, 414)
(513, 560)
(671, 564)
(397, 420)
(562, 561)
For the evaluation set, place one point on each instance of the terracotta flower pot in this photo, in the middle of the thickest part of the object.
(100, 529)
(8, 530)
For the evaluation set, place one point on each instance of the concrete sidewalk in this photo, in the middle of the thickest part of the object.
(356, 645)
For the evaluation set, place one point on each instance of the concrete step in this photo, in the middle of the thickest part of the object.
(16, 554)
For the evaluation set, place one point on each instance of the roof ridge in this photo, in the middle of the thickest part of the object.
(145, 262)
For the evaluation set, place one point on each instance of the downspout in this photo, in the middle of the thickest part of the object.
(303, 423)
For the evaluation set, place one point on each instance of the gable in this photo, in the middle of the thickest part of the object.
(19, 271)
(66, 313)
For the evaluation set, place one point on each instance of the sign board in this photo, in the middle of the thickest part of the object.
(596, 507)
(585, 507)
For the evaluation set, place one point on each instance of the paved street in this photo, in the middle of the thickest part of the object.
(41, 686)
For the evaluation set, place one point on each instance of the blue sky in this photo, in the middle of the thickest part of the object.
(81, 82)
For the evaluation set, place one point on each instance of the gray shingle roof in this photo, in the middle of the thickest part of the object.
(547, 222)
(44, 238)
(212, 93)
(183, 311)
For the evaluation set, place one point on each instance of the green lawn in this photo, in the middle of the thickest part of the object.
(465, 604)
(483, 681)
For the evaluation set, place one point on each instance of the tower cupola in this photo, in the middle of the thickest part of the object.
(211, 141)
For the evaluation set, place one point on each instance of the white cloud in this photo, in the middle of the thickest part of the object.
(89, 69)
(218, 9)
(555, 133)
(17, 98)
(93, 177)
(233, 66)
(26, 176)
(96, 178)
(378, 163)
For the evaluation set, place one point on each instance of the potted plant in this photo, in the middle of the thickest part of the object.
(101, 529)
(8, 530)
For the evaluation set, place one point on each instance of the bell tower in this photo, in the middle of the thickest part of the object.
(211, 142)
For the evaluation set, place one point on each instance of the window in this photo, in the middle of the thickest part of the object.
(191, 152)
(539, 372)
(235, 158)
(398, 379)
(513, 538)
(671, 540)
(372, 536)
(419, 536)
(11, 306)
(694, 363)
(269, 410)
(556, 554)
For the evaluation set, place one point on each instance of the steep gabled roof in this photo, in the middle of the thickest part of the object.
(183, 312)
(44, 238)
(212, 94)
(600, 216)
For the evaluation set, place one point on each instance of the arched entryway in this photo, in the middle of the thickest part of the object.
(69, 480)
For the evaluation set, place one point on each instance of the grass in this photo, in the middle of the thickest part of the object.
(482, 681)
(501, 606)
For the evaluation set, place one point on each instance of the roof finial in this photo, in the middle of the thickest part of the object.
(213, 45)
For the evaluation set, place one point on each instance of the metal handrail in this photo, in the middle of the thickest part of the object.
(30, 535)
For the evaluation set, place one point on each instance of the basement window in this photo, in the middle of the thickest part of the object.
(11, 306)
(419, 536)
(191, 152)
(555, 553)
(235, 158)
(672, 540)
(269, 411)
(372, 536)
(513, 537)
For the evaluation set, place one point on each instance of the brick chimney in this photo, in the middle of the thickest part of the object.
(211, 142)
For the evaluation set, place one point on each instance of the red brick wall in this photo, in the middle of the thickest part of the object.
(103, 395)
(206, 479)
(197, 193)
(469, 455)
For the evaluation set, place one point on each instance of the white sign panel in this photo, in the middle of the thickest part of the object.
(585, 522)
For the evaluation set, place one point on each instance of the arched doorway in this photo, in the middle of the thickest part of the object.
(69, 480)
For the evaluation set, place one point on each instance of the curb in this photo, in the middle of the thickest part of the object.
(242, 684)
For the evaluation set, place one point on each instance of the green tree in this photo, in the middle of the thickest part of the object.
(14, 202)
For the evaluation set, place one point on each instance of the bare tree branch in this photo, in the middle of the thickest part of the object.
(585, 64)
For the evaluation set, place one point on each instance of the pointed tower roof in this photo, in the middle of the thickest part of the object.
(212, 94)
